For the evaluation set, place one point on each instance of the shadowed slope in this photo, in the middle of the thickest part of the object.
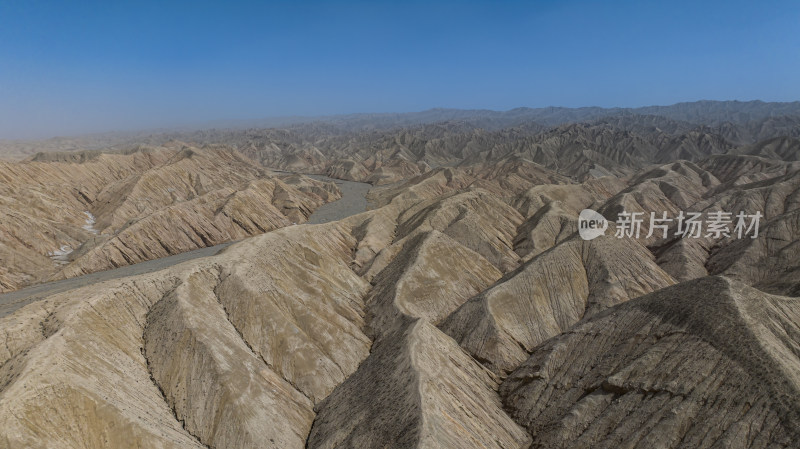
(707, 363)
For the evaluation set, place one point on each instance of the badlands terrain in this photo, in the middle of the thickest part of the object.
(224, 288)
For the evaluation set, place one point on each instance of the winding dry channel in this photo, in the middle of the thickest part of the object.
(353, 201)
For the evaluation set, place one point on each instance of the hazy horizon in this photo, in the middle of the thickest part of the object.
(72, 70)
(279, 121)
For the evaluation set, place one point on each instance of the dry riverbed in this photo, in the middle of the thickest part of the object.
(353, 201)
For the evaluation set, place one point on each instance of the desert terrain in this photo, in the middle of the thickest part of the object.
(413, 280)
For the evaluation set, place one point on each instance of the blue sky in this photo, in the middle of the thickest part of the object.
(73, 67)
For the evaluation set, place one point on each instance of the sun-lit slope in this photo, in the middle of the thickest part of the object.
(204, 353)
(550, 293)
(475, 218)
(431, 276)
(298, 304)
(218, 387)
(213, 218)
(66, 216)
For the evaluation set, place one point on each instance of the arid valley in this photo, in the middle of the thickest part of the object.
(417, 280)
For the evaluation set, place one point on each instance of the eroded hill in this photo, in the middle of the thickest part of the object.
(67, 214)
(464, 309)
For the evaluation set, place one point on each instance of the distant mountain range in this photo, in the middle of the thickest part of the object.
(738, 121)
